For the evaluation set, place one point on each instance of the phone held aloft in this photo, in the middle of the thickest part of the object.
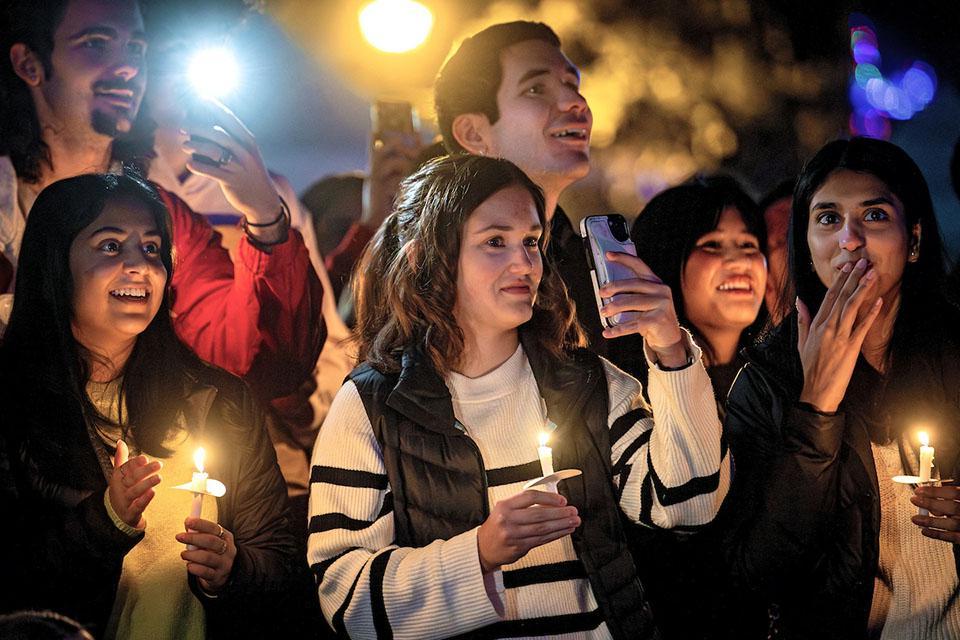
(392, 117)
(601, 234)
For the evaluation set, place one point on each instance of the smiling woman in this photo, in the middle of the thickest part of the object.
(98, 395)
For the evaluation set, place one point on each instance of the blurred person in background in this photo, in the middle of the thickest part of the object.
(775, 207)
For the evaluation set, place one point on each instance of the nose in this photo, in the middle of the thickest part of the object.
(572, 100)
(134, 261)
(130, 66)
(523, 260)
(851, 236)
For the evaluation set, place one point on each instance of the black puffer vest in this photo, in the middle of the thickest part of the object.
(439, 482)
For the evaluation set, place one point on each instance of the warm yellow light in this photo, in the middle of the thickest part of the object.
(924, 439)
(198, 458)
(544, 438)
(395, 26)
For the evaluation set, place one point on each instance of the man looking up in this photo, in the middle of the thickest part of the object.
(73, 83)
(509, 92)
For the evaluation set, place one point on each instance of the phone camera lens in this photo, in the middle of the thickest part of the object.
(618, 228)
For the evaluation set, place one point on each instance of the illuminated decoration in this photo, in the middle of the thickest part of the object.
(214, 73)
(395, 26)
(878, 99)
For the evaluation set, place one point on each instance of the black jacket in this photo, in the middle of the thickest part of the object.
(803, 517)
(62, 552)
(439, 482)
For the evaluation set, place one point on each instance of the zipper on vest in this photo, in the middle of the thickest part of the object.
(462, 428)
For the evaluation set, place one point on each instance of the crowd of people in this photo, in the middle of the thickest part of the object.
(407, 412)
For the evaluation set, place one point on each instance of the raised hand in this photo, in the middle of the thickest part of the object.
(830, 344)
(212, 560)
(656, 317)
(228, 153)
(131, 485)
(392, 158)
(524, 521)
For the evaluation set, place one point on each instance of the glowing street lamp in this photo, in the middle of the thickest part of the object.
(214, 73)
(395, 26)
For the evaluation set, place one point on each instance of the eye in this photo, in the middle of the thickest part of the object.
(828, 218)
(151, 249)
(536, 89)
(876, 215)
(751, 245)
(109, 246)
(709, 246)
(138, 49)
(496, 241)
(532, 241)
(94, 43)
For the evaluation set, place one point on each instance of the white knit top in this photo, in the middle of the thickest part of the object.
(438, 591)
(915, 593)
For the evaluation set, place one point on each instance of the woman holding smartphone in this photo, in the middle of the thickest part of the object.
(104, 408)
(704, 240)
(827, 410)
(420, 525)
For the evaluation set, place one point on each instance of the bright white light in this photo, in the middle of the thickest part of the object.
(214, 73)
(395, 26)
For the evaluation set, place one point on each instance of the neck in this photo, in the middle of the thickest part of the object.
(483, 354)
(106, 360)
(722, 345)
(876, 344)
(167, 143)
(72, 152)
(550, 201)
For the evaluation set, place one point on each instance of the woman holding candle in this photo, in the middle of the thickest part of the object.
(421, 525)
(90, 369)
(826, 410)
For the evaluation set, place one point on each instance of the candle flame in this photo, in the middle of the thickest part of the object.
(924, 439)
(198, 457)
(544, 437)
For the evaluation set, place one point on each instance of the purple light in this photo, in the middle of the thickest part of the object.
(866, 52)
(895, 103)
(920, 84)
(858, 97)
(875, 125)
(875, 92)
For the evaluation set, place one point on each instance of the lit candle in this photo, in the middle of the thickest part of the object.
(198, 485)
(546, 455)
(926, 457)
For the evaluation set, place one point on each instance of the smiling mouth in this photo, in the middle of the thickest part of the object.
(123, 98)
(131, 294)
(574, 133)
(735, 287)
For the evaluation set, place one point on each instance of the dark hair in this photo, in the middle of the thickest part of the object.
(406, 282)
(335, 202)
(32, 22)
(39, 347)
(667, 230)
(41, 625)
(470, 78)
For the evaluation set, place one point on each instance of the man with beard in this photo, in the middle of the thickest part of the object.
(73, 83)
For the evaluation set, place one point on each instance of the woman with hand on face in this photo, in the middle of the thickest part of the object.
(703, 240)
(421, 526)
(826, 411)
(103, 410)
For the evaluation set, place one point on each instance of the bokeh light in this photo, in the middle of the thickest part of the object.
(395, 26)
(214, 73)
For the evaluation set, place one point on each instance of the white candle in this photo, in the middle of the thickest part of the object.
(199, 487)
(546, 455)
(926, 457)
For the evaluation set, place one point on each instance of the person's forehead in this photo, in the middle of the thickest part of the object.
(122, 15)
(521, 57)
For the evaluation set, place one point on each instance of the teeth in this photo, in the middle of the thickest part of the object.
(129, 292)
(734, 287)
(576, 133)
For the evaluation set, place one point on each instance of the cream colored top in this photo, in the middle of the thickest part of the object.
(153, 597)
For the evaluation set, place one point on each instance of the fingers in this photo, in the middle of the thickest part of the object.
(803, 324)
(212, 144)
(530, 497)
(850, 309)
(643, 286)
(833, 292)
(938, 505)
(122, 454)
(635, 264)
(138, 469)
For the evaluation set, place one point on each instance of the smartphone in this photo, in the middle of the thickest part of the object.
(202, 112)
(392, 117)
(602, 234)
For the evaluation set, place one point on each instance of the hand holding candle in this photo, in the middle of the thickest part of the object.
(201, 485)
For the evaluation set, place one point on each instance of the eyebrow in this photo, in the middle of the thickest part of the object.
(108, 32)
(150, 232)
(533, 73)
(865, 203)
(504, 227)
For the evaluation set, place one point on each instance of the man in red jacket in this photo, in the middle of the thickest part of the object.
(72, 86)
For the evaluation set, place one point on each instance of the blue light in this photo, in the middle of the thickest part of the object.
(920, 84)
(866, 52)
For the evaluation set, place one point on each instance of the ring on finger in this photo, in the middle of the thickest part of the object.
(220, 532)
(223, 547)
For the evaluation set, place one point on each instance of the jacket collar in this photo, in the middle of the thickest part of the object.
(421, 394)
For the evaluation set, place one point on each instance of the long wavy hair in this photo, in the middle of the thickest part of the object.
(406, 282)
(39, 351)
(667, 230)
